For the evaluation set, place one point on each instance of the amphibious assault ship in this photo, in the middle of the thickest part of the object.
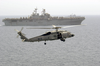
(43, 20)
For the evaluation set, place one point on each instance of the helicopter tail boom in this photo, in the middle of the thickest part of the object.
(24, 39)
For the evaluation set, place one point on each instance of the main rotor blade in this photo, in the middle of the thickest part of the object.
(44, 28)
(72, 26)
(54, 26)
(39, 28)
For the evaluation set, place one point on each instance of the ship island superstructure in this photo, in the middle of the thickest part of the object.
(43, 20)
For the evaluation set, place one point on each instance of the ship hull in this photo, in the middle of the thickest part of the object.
(43, 22)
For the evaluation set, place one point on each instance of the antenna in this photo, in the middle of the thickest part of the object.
(35, 11)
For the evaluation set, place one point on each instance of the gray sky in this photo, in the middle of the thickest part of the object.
(53, 7)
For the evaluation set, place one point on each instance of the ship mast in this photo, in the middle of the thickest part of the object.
(35, 11)
(43, 12)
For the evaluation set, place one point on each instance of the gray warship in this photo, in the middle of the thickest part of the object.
(43, 20)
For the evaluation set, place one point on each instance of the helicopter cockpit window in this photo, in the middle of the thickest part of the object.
(48, 33)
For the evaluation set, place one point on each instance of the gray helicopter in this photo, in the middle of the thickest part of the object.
(51, 35)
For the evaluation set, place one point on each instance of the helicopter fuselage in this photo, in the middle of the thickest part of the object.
(53, 35)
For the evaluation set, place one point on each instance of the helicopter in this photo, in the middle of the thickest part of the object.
(51, 35)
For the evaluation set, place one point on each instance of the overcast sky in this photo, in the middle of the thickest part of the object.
(54, 7)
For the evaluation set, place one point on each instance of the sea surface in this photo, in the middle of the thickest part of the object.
(81, 50)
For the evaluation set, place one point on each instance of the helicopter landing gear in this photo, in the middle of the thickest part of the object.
(62, 39)
(45, 43)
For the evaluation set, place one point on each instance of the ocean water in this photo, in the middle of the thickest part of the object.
(81, 50)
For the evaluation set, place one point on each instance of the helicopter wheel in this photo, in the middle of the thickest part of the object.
(44, 43)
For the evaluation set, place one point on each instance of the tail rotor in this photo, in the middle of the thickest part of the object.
(19, 32)
(22, 35)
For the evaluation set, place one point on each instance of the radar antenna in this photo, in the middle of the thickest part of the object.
(35, 11)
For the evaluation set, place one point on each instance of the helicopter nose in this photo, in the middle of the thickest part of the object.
(72, 35)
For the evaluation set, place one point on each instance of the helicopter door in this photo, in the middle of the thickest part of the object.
(59, 35)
